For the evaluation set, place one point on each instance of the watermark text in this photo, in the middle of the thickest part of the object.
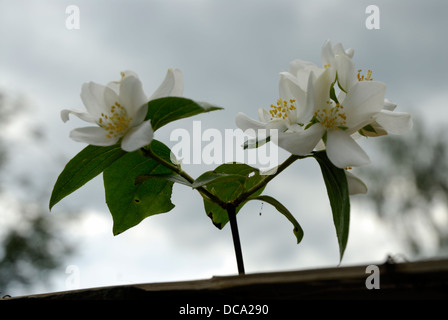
(373, 280)
(72, 281)
(212, 146)
(373, 20)
(72, 21)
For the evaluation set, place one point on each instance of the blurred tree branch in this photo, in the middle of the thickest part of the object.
(409, 189)
(30, 246)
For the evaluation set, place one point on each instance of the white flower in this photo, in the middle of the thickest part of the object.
(293, 109)
(387, 120)
(299, 70)
(119, 110)
(337, 120)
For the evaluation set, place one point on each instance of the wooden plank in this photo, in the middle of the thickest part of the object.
(410, 280)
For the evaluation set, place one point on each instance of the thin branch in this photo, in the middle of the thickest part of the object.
(147, 152)
(243, 197)
(236, 238)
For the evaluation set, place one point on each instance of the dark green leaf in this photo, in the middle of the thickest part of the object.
(230, 189)
(298, 231)
(369, 128)
(86, 165)
(255, 142)
(314, 120)
(165, 110)
(337, 189)
(130, 203)
(333, 94)
(174, 177)
(211, 177)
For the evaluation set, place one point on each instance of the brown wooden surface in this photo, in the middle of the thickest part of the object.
(413, 280)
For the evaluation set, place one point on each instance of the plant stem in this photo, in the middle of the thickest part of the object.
(236, 238)
(230, 207)
(147, 152)
(242, 197)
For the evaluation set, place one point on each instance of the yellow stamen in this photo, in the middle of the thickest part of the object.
(282, 109)
(331, 116)
(117, 123)
(367, 77)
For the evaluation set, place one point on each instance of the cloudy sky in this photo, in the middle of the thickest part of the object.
(230, 53)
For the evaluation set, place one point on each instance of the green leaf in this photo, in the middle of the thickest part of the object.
(212, 177)
(313, 121)
(86, 165)
(165, 110)
(130, 203)
(333, 94)
(337, 189)
(298, 231)
(174, 177)
(256, 142)
(369, 128)
(240, 179)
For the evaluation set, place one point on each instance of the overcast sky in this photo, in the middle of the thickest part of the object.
(231, 53)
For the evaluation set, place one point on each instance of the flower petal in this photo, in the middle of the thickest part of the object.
(338, 49)
(115, 85)
(140, 115)
(300, 71)
(80, 114)
(321, 88)
(138, 137)
(364, 100)
(346, 72)
(343, 151)
(244, 122)
(389, 105)
(327, 55)
(355, 185)
(96, 136)
(132, 97)
(92, 96)
(172, 85)
(263, 115)
(308, 113)
(394, 122)
(301, 142)
(289, 89)
(111, 98)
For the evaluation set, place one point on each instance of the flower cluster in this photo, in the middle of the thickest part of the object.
(320, 113)
(329, 107)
